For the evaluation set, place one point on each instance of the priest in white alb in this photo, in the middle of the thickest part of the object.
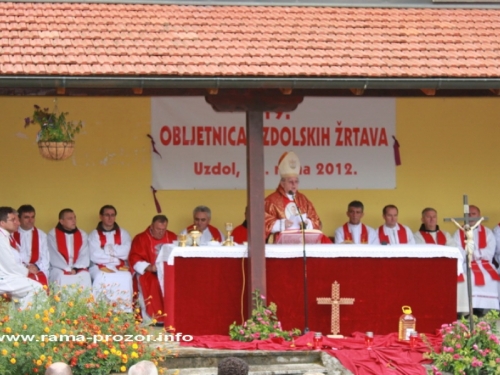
(109, 247)
(485, 279)
(14, 281)
(32, 244)
(392, 232)
(354, 231)
(69, 252)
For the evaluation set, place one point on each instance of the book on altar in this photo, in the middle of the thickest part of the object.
(293, 237)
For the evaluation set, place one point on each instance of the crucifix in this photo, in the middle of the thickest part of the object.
(469, 249)
(335, 301)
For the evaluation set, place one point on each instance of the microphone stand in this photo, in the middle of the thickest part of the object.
(303, 227)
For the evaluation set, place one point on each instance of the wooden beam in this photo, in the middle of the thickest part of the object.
(256, 264)
(61, 90)
(253, 100)
(358, 92)
(429, 92)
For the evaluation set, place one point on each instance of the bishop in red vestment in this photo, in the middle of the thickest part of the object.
(283, 206)
(142, 260)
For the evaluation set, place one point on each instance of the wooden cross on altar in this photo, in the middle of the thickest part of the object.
(335, 301)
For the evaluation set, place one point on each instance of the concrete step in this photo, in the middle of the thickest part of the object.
(286, 369)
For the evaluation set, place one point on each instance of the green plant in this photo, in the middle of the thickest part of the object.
(70, 326)
(263, 324)
(468, 353)
(54, 127)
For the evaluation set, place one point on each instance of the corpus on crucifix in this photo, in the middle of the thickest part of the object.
(335, 301)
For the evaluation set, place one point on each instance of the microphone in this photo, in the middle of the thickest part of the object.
(306, 308)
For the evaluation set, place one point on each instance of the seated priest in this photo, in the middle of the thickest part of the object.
(142, 260)
(32, 244)
(109, 246)
(14, 281)
(283, 206)
(240, 232)
(202, 215)
(68, 252)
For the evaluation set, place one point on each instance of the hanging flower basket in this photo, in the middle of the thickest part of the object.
(56, 136)
(56, 150)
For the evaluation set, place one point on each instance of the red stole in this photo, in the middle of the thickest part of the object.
(63, 249)
(117, 241)
(35, 255)
(402, 237)
(35, 244)
(13, 242)
(117, 237)
(440, 237)
(213, 231)
(348, 234)
(478, 275)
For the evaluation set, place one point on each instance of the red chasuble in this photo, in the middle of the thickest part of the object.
(402, 237)
(478, 275)
(240, 234)
(348, 234)
(143, 249)
(40, 276)
(213, 231)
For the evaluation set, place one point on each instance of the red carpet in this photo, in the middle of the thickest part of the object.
(387, 355)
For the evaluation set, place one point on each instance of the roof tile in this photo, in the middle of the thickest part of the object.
(137, 39)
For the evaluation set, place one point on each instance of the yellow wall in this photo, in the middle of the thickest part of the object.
(449, 147)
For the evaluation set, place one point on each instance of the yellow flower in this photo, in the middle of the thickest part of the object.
(45, 319)
(25, 326)
(124, 360)
(118, 353)
(134, 355)
(123, 369)
(51, 310)
(37, 316)
(55, 349)
(4, 352)
(7, 330)
(71, 304)
(115, 319)
(153, 321)
(113, 350)
(63, 331)
(46, 329)
(45, 313)
(135, 346)
(42, 344)
(105, 352)
(42, 357)
(39, 363)
(12, 360)
(75, 322)
(16, 344)
(57, 299)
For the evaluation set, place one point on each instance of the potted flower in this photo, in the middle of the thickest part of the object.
(465, 352)
(56, 136)
(263, 324)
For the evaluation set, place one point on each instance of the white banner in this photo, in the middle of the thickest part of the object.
(342, 143)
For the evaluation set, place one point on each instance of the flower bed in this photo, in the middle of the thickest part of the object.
(70, 326)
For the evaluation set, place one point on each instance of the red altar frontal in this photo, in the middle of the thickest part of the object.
(204, 287)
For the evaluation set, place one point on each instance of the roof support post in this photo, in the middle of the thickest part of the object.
(256, 263)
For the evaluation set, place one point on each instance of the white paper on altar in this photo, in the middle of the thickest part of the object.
(342, 143)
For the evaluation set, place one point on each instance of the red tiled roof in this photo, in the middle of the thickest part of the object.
(70, 39)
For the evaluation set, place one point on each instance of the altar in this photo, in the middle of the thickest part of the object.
(204, 287)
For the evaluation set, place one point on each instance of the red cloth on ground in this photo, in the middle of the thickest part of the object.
(387, 356)
(143, 249)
